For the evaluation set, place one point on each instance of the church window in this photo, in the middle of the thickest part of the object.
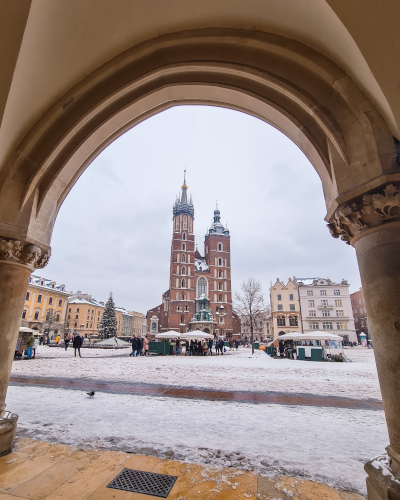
(219, 246)
(220, 261)
(184, 236)
(153, 327)
(183, 283)
(183, 246)
(184, 222)
(186, 308)
(178, 308)
(183, 270)
(182, 319)
(220, 298)
(183, 296)
(220, 273)
(177, 295)
(202, 286)
(183, 258)
(177, 223)
(220, 286)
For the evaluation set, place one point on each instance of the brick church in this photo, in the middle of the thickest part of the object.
(199, 295)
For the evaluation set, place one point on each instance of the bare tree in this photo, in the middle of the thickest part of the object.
(51, 322)
(249, 303)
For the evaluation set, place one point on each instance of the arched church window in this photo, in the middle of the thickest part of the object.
(183, 270)
(183, 296)
(186, 308)
(183, 258)
(183, 246)
(220, 298)
(220, 286)
(182, 319)
(220, 274)
(178, 308)
(219, 246)
(184, 236)
(153, 327)
(185, 222)
(220, 261)
(202, 286)
(183, 283)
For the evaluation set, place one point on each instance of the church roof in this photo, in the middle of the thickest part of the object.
(182, 206)
(216, 226)
(200, 264)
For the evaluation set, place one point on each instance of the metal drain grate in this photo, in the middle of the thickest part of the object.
(147, 483)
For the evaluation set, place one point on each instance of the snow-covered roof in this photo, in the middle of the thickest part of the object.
(201, 264)
(83, 301)
(47, 284)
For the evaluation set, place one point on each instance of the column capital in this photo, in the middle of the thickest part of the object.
(23, 253)
(366, 212)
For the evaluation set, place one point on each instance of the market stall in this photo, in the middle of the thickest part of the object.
(316, 346)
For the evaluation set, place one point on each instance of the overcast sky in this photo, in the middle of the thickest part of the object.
(113, 232)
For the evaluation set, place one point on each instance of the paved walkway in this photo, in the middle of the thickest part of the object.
(38, 470)
(175, 392)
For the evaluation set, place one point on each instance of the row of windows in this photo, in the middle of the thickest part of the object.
(293, 321)
(361, 311)
(183, 222)
(290, 296)
(326, 313)
(291, 307)
(354, 301)
(182, 258)
(310, 293)
(324, 302)
(328, 325)
(36, 315)
(40, 297)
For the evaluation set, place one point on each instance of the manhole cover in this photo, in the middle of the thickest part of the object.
(147, 483)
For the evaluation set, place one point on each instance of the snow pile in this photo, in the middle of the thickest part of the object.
(113, 342)
(383, 462)
(257, 354)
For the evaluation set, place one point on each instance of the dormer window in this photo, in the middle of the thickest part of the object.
(42, 283)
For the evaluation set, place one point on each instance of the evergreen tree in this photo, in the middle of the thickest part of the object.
(108, 324)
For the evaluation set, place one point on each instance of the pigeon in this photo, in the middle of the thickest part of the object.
(90, 394)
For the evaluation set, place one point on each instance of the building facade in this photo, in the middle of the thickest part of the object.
(360, 313)
(45, 306)
(262, 331)
(285, 308)
(199, 295)
(326, 305)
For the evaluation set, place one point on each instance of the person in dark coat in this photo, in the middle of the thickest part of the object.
(210, 344)
(177, 343)
(187, 350)
(236, 344)
(281, 348)
(134, 346)
(192, 348)
(77, 344)
(139, 346)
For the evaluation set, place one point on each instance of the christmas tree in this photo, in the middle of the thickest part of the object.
(108, 324)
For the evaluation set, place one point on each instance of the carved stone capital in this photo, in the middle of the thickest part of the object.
(374, 208)
(26, 254)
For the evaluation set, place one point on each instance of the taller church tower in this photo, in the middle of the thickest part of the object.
(181, 283)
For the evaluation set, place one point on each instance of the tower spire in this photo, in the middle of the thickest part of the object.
(182, 205)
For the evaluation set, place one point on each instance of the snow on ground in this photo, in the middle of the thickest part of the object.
(325, 444)
(235, 371)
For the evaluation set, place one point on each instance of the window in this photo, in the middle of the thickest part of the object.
(322, 292)
(183, 271)
(185, 222)
(291, 307)
(327, 325)
(39, 299)
(186, 308)
(341, 325)
(183, 258)
(310, 293)
(311, 303)
(183, 246)
(280, 307)
(339, 312)
(293, 321)
(42, 282)
(338, 303)
(325, 313)
(77, 310)
(183, 283)
(359, 301)
(184, 236)
(220, 298)
(279, 296)
(361, 311)
(76, 317)
(69, 317)
(201, 286)
(291, 296)
(312, 313)
(50, 301)
(324, 302)
(24, 314)
(58, 317)
(88, 318)
(69, 310)
(220, 247)
(280, 320)
(355, 311)
(60, 303)
(28, 294)
(183, 296)
(220, 274)
(182, 319)
(314, 325)
(36, 315)
(220, 261)
(336, 292)
(220, 286)
(75, 325)
(87, 325)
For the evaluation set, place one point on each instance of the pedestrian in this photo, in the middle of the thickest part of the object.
(221, 346)
(203, 347)
(77, 344)
(177, 346)
(57, 339)
(139, 346)
(67, 340)
(187, 348)
(281, 348)
(146, 346)
(29, 346)
(134, 346)
(192, 348)
(210, 344)
(236, 344)
(41, 340)
(35, 346)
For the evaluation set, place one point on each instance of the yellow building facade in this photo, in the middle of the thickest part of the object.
(45, 299)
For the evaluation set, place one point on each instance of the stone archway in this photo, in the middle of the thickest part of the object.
(283, 82)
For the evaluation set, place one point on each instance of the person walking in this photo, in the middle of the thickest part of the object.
(210, 344)
(29, 346)
(222, 346)
(236, 344)
(146, 346)
(139, 346)
(77, 344)
(203, 347)
(192, 346)
(35, 346)
(281, 348)
(57, 339)
(67, 340)
(134, 346)
(187, 348)
(177, 347)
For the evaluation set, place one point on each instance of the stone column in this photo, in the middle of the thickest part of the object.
(371, 223)
(17, 261)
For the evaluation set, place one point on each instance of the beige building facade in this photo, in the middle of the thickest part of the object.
(325, 75)
(285, 308)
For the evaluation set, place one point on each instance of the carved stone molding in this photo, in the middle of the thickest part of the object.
(27, 254)
(377, 207)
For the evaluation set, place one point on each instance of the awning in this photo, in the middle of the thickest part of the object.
(197, 334)
(168, 335)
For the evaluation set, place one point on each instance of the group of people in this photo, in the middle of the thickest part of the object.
(77, 342)
(140, 346)
(203, 347)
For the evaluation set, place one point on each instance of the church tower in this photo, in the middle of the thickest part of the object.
(181, 300)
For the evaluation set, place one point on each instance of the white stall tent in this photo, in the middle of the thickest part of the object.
(169, 335)
(196, 334)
